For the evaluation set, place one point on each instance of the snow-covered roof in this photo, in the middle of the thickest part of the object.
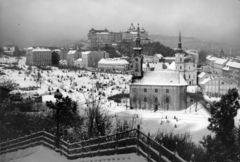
(41, 50)
(57, 50)
(213, 59)
(201, 74)
(208, 57)
(71, 52)
(205, 80)
(78, 60)
(225, 79)
(233, 64)
(137, 48)
(166, 63)
(113, 61)
(159, 55)
(86, 52)
(170, 78)
(193, 89)
(226, 68)
(172, 66)
(220, 61)
(169, 58)
(29, 48)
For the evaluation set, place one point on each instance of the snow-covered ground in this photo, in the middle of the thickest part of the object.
(44, 154)
(80, 84)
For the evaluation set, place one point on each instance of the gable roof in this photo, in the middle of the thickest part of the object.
(220, 61)
(166, 78)
(233, 64)
(71, 52)
(172, 66)
(159, 55)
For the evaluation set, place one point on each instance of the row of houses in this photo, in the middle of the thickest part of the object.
(220, 75)
(227, 67)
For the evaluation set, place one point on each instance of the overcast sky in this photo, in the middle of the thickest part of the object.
(30, 20)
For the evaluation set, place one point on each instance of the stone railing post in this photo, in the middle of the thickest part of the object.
(160, 153)
(116, 142)
(98, 144)
(148, 144)
(175, 153)
(138, 136)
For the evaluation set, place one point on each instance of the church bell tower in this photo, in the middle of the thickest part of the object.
(137, 58)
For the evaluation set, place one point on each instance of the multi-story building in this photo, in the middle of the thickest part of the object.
(63, 53)
(218, 65)
(99, 38)
(158, 58)
(165, 90)
(72, 55)
(113, 64)
(39, 56)
(29, 56)
(185, 65)
(90, 59)
(131, 34)
(216, 86)
(232, 69)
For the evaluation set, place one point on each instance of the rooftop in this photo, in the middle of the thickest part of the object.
(159, 55)
(41, 50)
(86, 52)
(172, 66)
(71, 52)
(233, 64)
(220, 61)
(113, 61)
(170, 78)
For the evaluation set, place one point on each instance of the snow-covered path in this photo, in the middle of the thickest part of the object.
(44, 154)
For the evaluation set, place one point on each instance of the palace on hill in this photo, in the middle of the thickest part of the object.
(99, 38)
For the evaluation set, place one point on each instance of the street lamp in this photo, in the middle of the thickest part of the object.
(58, 95)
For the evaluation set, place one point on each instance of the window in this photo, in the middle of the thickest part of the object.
(145, 89)
(167, 90)
(156, 99)
(145, 99)
(156, 90)
(167, 100)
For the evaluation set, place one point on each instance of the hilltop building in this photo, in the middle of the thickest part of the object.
(99, 38)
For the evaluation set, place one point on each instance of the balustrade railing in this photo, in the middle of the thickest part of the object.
(130, 141)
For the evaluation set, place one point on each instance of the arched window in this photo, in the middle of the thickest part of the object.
(156, 90)
(145, 89)
(167, 100)
(167, 90)
(145, 99)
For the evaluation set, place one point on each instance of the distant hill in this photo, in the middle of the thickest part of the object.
(188, 42)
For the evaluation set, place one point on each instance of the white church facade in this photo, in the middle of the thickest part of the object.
(158, 90)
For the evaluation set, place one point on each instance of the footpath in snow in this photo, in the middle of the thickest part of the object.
(44, 154)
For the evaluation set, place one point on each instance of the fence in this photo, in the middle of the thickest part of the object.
(130, 141)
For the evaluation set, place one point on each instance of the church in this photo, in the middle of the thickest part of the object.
(159, 90)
